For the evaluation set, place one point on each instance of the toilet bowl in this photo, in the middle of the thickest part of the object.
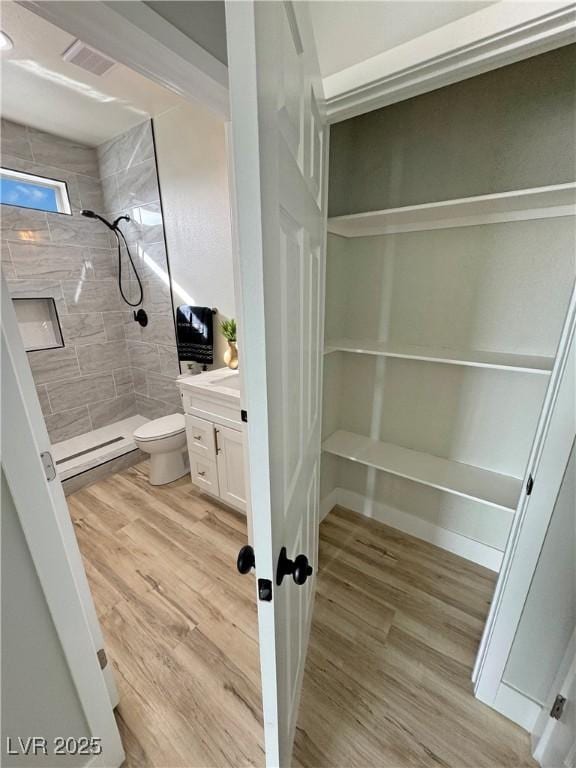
(165, 440)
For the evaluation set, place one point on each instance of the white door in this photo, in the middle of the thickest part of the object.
(43, 516)
(230, 458)
(279, 143)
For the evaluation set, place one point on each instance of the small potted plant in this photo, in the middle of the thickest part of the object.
(228, 330)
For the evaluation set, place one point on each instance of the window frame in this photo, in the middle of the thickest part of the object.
(57, 185)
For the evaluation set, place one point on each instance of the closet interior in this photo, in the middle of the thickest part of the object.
(442, 323)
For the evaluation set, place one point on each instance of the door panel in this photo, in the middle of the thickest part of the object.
(231, 466)
(39, 511)
(279, 139)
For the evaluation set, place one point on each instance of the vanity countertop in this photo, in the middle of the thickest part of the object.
(221, 382)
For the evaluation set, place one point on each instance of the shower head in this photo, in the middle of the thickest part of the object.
(92, 215)
(113, 226)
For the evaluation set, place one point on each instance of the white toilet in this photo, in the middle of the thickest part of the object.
(165, 440)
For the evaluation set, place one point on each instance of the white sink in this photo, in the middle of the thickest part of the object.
(221, 382)
(214, 396)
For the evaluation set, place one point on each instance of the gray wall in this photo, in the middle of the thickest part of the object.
(87, 383)
(507, 129)
(130, 186)
(549, 614)
(36, 675)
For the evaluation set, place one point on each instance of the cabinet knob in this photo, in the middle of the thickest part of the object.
(202, 473)
(197, 437)
(246, 560)
(299, 568)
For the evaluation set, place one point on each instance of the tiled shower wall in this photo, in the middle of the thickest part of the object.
(130, 186)
(87, 383)
(90, 381)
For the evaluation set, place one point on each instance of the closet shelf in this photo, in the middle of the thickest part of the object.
(496, 490)
(473, 358)
(518, 205)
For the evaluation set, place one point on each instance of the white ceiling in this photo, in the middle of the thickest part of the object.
(42, 90)
(355, 30)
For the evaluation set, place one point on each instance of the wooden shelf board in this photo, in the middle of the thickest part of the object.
(517, 205)
(474, 358)
(496, 490)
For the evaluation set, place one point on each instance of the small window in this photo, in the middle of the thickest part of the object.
(29, 191)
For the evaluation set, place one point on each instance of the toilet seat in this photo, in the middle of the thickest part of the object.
(157, 429)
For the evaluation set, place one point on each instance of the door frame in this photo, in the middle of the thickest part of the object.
(190, 71)
(45, 520)
(544, 730)
(554, 436)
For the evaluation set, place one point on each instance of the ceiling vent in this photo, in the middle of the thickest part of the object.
(87, 58)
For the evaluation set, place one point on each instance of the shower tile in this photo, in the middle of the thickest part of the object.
(62, 426)
(169, 361)
(123, 380)
(157, 298)
(24, 224)
(15, 163)
(110, 196)
(145, 226)
(85, 328)
(6, 262)
(160, 330)
(91, 296)
(56, 150)
(151, 262)
(144, 356)
(54, 364)
(139, 381)
(90, 193)
(138, 185)
(152, 409)
(110, 411)
(38, 289)
(163, 388)
(104, 263)
(124, 151)
(15, 141)
(73, 393)
(94, 358)
(51, 261)
(114, 323)
(43, 397)
(77, 230)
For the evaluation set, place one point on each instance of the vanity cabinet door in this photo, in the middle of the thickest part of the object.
(230, 459)
(200, 437)
(204, 475)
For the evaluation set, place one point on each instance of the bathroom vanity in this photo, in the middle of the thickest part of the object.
(215, 434)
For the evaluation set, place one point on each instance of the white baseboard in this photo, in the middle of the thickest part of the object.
(460, 545)
(517, 707)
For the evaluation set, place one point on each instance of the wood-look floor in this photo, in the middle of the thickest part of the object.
(387, 684)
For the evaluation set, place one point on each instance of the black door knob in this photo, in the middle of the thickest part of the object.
(299, 568)
(245, 561)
